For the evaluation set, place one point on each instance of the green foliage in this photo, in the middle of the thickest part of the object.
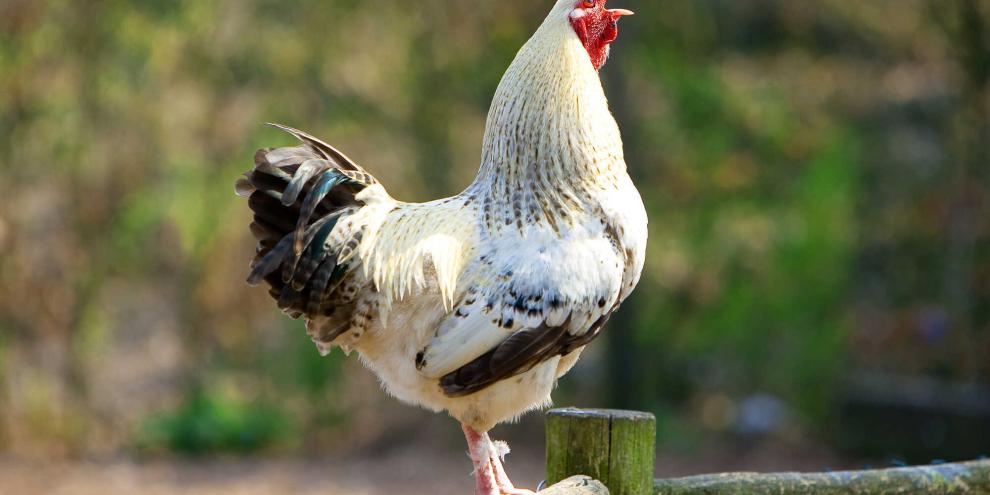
(298, 366)
(212, 422)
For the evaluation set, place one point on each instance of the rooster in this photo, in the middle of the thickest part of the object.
(475, 304)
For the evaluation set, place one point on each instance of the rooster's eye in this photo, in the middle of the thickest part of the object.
(588, 4)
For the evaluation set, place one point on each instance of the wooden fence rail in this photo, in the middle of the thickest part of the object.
(618, 448)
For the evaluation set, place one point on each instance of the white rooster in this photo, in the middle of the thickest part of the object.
(478, 303)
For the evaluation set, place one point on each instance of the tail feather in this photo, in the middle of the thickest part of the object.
(268, 260)
(314, 254)
(298, 194)
(316, 195)
(340, 160)
(269, 212)
(321, 282)
(305, 172)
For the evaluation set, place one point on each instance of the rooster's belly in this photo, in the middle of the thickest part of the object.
(389, 349)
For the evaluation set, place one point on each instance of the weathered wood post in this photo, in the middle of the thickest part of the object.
(614, 447)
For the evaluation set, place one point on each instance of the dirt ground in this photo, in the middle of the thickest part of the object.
(393, 473)
(418, 470)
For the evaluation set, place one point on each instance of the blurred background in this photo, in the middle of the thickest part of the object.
(816, 294)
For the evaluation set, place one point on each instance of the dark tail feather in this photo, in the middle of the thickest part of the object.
(304, 173)
(324, 185)
(339, 159)
(297, 195)
(289, 269)
(270, 261)
(316, 252)
(321, 281)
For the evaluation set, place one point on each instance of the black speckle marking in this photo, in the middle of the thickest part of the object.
(508, 323)
(420, 359)
(601, 303)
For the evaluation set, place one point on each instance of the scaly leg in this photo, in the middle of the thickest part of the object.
(490, 477)
(479, 448)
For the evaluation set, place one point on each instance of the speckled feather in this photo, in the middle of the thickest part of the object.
(477, 303)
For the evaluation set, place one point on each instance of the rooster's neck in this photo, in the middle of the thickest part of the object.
(551, 144)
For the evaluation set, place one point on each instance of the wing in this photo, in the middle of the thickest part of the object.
(533, 299)
(517, 354)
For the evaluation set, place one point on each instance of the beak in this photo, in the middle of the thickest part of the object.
(617, 13)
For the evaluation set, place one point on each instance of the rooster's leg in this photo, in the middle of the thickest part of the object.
(487, 457)
(479, 448)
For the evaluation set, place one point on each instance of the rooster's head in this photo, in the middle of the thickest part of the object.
(597, 27)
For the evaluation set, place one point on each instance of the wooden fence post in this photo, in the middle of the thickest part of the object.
(614, 447)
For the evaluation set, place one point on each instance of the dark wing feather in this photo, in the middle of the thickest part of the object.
(519, 353)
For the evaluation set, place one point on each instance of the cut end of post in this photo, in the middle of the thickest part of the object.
(621, 414)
